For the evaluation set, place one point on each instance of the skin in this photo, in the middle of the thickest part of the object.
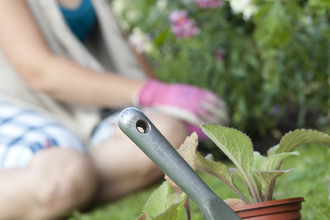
(45, 72)
(59, 180)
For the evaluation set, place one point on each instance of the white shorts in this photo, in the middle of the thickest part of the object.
(24, 132)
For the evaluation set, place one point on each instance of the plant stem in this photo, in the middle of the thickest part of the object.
(187, 208)
(255, 196)
(240, 194)
(269, 195)
(259, 190)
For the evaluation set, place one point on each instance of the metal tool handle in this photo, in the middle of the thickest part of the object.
(147, 137)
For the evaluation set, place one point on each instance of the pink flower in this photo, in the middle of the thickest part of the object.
(182, 26)
(140, 41)
(209, 3)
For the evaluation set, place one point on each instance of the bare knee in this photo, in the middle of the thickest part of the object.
(69, 183)
(65, 187)
(124, 168)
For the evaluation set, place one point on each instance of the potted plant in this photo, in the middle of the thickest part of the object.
(257, 173)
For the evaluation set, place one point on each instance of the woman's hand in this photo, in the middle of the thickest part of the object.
(189, 103)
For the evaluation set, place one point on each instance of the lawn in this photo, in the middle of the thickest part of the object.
(310, 180)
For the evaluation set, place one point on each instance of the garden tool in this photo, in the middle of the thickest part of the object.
(135, 124)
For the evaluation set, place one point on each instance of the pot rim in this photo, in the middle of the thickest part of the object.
(268, 203)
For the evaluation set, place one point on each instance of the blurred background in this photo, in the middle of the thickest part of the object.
(269, 60)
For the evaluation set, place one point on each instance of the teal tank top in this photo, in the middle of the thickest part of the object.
(80, 19)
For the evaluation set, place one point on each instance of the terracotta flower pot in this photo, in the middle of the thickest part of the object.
(284, 209)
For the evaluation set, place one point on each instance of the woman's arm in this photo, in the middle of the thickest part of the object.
(24, 46)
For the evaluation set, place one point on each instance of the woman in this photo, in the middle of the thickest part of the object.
(61, 63)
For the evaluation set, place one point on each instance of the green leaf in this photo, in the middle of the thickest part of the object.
(272, 162)
(189, 148)
(258, 158)
(163, 205)
(301, 136)
(174, 199)
(157, 202)
(273, 30)
(174, 208)
(213, 168)
(266, 178)
(236, 145)
(238, 176)
(320, 6)
(238, 148)
(272, 150)
(220, 171)
(159, 40)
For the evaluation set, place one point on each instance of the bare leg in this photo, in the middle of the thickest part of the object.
(124, 168)
(56, 181)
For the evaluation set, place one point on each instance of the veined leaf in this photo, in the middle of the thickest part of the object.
(218, 170)
(157, 202)
(238, 148)
(189, 148)
(236, 145)
(163, 205)
(301, 136)
(257, 159)
(272, 162)
(174, 198)
(213, 168)
(239, 177)
(172, 213)
(266, 178)
(188, 151)
(272, 150)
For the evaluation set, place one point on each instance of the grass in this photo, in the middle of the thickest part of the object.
(310, 180)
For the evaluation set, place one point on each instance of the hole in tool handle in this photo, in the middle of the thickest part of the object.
(142, 126)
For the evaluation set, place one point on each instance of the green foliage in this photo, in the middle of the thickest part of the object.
(274, 64)
(309, 180)
(256, 172)
(163, 204)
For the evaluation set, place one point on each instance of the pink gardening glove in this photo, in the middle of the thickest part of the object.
(191, 104)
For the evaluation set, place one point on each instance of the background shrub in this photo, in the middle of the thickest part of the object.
(268, 59)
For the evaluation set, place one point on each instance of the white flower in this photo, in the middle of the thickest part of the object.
(140, 41)
(243, 6)
(249, 11)
(161, 4)
(118, 6)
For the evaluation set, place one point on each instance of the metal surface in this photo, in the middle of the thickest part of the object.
(147, 137)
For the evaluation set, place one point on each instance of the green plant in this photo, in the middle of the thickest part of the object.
(253, 179)
(271, 68)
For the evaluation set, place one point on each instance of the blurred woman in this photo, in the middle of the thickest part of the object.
(61, 63)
